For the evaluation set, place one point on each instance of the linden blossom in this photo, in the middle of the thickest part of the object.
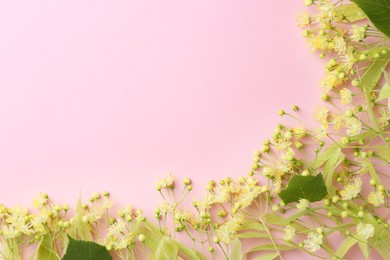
(303, 185)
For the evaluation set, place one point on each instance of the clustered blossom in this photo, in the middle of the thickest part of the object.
(313, 241)
(349, 148)
(365, 231)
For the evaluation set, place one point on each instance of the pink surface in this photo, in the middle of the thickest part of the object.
(110, 95)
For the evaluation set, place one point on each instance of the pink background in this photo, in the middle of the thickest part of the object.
(111, 95)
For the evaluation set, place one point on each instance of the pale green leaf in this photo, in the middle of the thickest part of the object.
(251, 235)
(364, 248)
(385, 91)
(294, 217)
(267, 256)
(273, 219)
(269, 247)
(349, 13)
(373, 74)
(324, 156)
(254, 225)
(345, 247)
(79, 229)
(166, 250)
(235, 252)
(334, 160)
(46, 249)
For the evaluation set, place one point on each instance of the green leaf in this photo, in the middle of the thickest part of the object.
(154, 237)
(334, 160)
(85, 250)
(378, 11)
(166, 250)
(269, 247)
(252, 225)
(79, 229)
(46, 249)
(385, 91)
(373, 74)
(299, 187)
(364, 248)
(235, 253)
(269, 256)
(251, 235)
(324, 156)
(349, 13)
(273, 219)
(345, 246)
(294, 217)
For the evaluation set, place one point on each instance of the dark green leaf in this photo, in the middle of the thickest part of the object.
(85, 250)
(378, 11)
(299, 187)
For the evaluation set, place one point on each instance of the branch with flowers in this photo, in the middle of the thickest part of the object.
(306, 188)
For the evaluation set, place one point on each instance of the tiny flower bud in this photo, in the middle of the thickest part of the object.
(141, 238)
(187, 181)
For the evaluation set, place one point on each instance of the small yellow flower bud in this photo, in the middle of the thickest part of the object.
(345, 140)
(216, 240)
(85, 219)
(355, 82)
(372, 182)
(308, 2)
(360, 214)
(281, 112)
(211, 249)
(320, 230)
(141, 238)
(187, 181)
(344, 214)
